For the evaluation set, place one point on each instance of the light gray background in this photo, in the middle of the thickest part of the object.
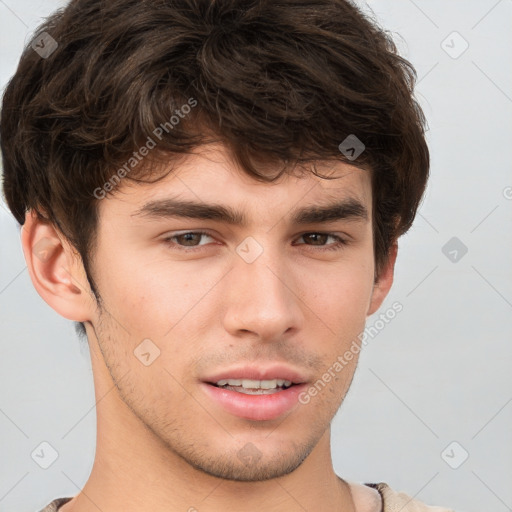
(438, 373)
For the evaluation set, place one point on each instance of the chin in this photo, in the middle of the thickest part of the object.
(256, 469)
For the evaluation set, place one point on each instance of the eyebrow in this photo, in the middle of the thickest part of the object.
(346, 209)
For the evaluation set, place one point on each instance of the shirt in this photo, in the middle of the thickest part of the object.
(391, 502)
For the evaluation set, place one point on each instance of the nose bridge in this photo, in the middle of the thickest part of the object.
(261, 296)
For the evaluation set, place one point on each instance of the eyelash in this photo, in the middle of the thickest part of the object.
(340, 242)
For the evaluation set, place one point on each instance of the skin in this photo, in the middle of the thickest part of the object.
(162, 443)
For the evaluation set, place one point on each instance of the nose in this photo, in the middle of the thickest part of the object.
(262, 298)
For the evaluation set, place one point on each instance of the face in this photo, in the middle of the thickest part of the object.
(213, 330)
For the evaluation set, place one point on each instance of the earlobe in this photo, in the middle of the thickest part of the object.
(55, 269)
(384, 282)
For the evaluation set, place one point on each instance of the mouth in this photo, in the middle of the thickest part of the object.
(254, 387)
(253, 393)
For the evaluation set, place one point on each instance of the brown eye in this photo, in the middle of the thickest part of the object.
(187, 239)
(316, 238)
(320, 239)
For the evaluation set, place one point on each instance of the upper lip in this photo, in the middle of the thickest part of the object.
(268, 372)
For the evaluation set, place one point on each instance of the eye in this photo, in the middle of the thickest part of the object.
(319, 237)
(188, 241)
(188, 238)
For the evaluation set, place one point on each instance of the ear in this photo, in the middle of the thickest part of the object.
(56, 269)
(384, 281)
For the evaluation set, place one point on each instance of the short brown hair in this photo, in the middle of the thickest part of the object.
(276, 82)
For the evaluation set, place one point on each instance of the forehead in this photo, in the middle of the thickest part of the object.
(209, 176)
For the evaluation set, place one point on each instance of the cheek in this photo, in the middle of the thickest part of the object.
(134, 291)
(151, 297)
(342, 296)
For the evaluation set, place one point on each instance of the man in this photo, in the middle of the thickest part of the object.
(214, 191)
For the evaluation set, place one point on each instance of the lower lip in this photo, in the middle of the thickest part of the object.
(255, 407)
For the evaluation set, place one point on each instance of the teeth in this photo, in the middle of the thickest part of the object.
(255, 384)
(246, 391)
